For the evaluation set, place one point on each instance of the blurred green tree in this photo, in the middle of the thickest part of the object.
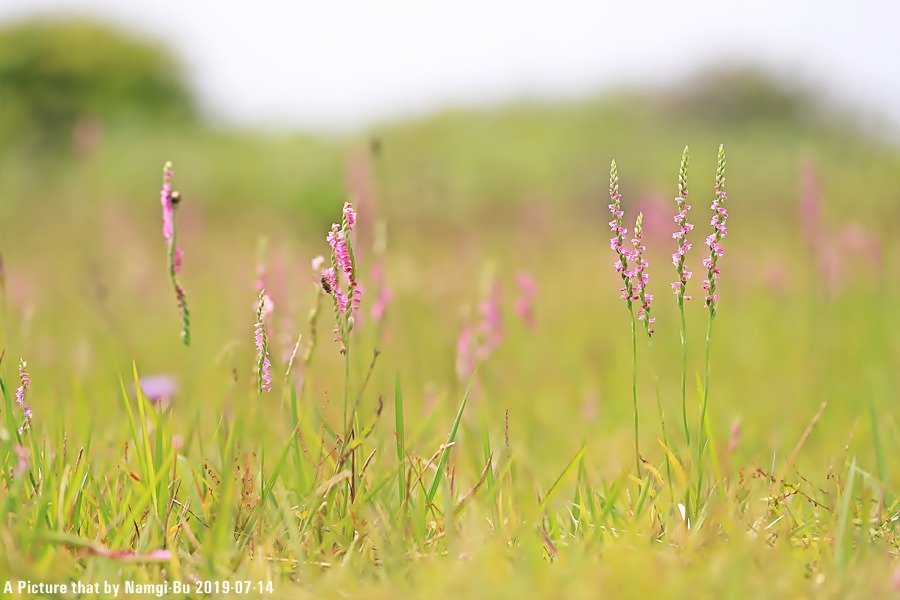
(62, 82)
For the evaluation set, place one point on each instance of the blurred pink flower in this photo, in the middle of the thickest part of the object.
(809, 206)
(22, 456)
(465, 360)
(379, 307)
(862, 242)
(158, 388)
(491, 327)
(477, 341)
(524, 304)
(735, 436)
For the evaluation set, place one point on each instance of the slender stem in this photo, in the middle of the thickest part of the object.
(637, 452)
(687, 430)
(701, 431)
(662, 416)
(346, 390)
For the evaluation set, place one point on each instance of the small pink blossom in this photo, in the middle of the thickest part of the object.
(491, 328)
(158, 388)
(477, 341)
(465, 360)
(21, 392)
(175, 257)
(22, 456)
(735, 436)
(339, 247)
(525, 302)
(640, 277)
(335, 287)
(165, 199)
(342, 257)
(617, 242)
(679, 287)
(379, 307)
(809, 207)
(713, 240)
(349, 216)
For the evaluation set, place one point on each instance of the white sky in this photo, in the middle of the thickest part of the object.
(343, 63)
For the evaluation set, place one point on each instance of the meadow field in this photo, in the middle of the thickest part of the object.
(472, 430)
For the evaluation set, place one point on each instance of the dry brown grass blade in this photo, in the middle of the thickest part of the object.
(802, 442)
(462, 502)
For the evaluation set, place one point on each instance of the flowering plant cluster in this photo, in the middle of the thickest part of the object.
(632, 266)
(340, 279)
(635, 278)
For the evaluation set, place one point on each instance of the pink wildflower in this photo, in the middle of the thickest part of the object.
(20, 397)
(617, 242)
(465, 360)
(735, 436)
(525, 302)
(478, 340)
(335, 289)
(158, 388)
(714, 239)
(640, 277)
(165, 198)
(343, 263)
(22, 454)
(809, 208)
(491, 327)
(338, 244)
(175, 257)
(349, 216)
(384, 292)
(342, 254)
(680, 236)
(264, 366)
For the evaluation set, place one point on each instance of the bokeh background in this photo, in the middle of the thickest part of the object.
(475, 139)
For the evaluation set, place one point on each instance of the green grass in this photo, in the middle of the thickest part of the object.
(517, 483)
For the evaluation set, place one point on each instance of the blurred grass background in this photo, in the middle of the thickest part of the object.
(89, 116)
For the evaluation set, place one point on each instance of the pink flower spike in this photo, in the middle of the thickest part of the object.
(177, 259)
(165, 199)
(263, 366)
(465, 360)
(525, 302)
(20, 397)
(346, 297)
(617, 244)
(680, 236)
(715, 238)
(640, 277)
(174, 255)
(349, 216)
